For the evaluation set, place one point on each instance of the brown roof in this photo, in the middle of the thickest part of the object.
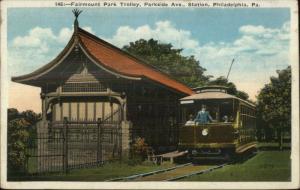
(121, 62)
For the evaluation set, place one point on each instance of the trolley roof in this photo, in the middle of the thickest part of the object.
(211, 88)
(214, 95)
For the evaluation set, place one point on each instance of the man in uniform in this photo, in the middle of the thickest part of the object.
(203, 116)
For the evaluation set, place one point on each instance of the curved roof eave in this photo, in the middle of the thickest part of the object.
(35, 74)
(29, 78)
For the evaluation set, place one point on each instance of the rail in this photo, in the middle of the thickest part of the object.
(149, 173)
(196, 173)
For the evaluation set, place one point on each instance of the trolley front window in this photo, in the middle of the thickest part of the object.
(218, 110)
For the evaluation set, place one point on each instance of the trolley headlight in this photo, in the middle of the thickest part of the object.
(205, 132)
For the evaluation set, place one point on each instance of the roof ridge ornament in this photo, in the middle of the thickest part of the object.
(76, 13)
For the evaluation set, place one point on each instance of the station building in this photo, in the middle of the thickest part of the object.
(92, 79)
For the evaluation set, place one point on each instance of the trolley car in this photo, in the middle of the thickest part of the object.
(230, 131)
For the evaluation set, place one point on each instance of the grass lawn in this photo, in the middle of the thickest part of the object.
(108, 171)
(271, 165)
(265, 166)
(272, 146)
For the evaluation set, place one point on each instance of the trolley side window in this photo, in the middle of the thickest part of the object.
(247, 116)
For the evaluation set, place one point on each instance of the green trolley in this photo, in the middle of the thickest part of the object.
(230, 129)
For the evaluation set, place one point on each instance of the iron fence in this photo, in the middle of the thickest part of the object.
(73, 144)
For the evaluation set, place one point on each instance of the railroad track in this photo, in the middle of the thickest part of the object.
(176, 173)
(171, 174)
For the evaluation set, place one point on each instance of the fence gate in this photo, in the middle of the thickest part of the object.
(74, 144)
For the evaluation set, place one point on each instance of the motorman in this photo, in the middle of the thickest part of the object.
(203, 116)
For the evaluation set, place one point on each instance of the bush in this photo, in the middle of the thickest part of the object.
(17, 137)
(138, 151)
(21, 125)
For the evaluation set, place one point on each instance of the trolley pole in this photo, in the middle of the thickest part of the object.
(229, 69)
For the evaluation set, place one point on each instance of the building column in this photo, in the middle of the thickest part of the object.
(124, 108)
(125, 138)
(111, 111)
(44, 111)
(42, 132)
(123, 103)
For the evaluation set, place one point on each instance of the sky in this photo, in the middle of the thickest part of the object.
(258, 40)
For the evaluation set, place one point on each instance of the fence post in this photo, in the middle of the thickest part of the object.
(99, 141)
(65, 153)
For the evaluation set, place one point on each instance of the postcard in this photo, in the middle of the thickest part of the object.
(149, 94)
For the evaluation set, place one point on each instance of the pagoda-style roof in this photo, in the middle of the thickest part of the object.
(109, 58)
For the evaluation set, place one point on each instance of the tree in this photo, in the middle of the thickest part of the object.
(30, 116)
(12, 113)
(186, 69)
(21, 126)
(274, 103)
(222, 81)
(167, 59)
(17, 137)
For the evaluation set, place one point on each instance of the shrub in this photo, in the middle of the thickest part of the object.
(138, 151)
(17, 137)
(21, 125)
